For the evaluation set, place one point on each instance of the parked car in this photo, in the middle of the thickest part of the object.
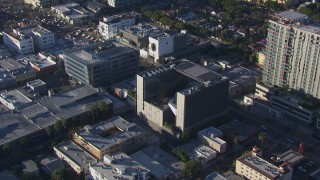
(302, 169)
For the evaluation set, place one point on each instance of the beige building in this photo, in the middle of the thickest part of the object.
(292, 53)
(252, 166)
(261, 58)
(211, 137)
(110, 137)
(76, 157)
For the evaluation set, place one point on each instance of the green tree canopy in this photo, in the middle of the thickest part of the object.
(191, 168)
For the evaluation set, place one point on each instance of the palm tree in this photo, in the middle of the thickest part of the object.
(235, 143)
(263, 138)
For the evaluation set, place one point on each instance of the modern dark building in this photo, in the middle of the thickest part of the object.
(182, 94)
(103, 65)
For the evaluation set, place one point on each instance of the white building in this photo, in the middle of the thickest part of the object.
(117, 3)
(42, 38)
(252, 166)
(38, 3)
(21, 43)
(111, 25)
(72, 13)
(160, 45)
(205, 153)
(118, 166)
(210, 136)
(25, 40)
(76, 157)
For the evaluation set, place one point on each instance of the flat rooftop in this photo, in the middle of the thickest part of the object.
(260, 165)
(39, 115)
(164, 158)
(109, 132)
(143, 30)
(15, 97)
(120, 162)
(215, 176)
(34, 29)
(14, 126)
(291, 157)
(18, 37)
(73, 102)
(187, 68)
(104, 53)
(291, 15)
(75, 153)
(40, 61)
(316, 175)
(156, 169)
(36, 83)
(161, 35)
(120, 17)
(205, 151)
(211, 132)
(11, 64)
(197, 72)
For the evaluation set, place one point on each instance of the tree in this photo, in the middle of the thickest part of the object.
(65, 123)
(235, 143)
(191, 168)
(63, 174)
(24, 142)
(253, 58)
(181, 155)
(263, 138)
(49, 130)
(58, 126)
(28, 176)
(6, 147)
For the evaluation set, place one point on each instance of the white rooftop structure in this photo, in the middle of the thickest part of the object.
(119, 167)
(119, 130)
(211, 132)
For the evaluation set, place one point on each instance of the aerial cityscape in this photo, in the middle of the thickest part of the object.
(160, 89)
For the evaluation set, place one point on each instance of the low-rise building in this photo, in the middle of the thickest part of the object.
(37, 86)
(21, 43)
(50, 164)
(42, 38)
(118, 166)
(252, 166)
(119, 3)
(139, 34)
(282, 103)
(94, 6)
(110, 137)
(14, 99)
(6, 80)
(111, 25)
(28, 39)
(161, 164)
(210, 136)
(215, 176)
(30, 167)
(205, 153)
(77, 158)
(19, 71)
(42, 63)
(72, 13)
